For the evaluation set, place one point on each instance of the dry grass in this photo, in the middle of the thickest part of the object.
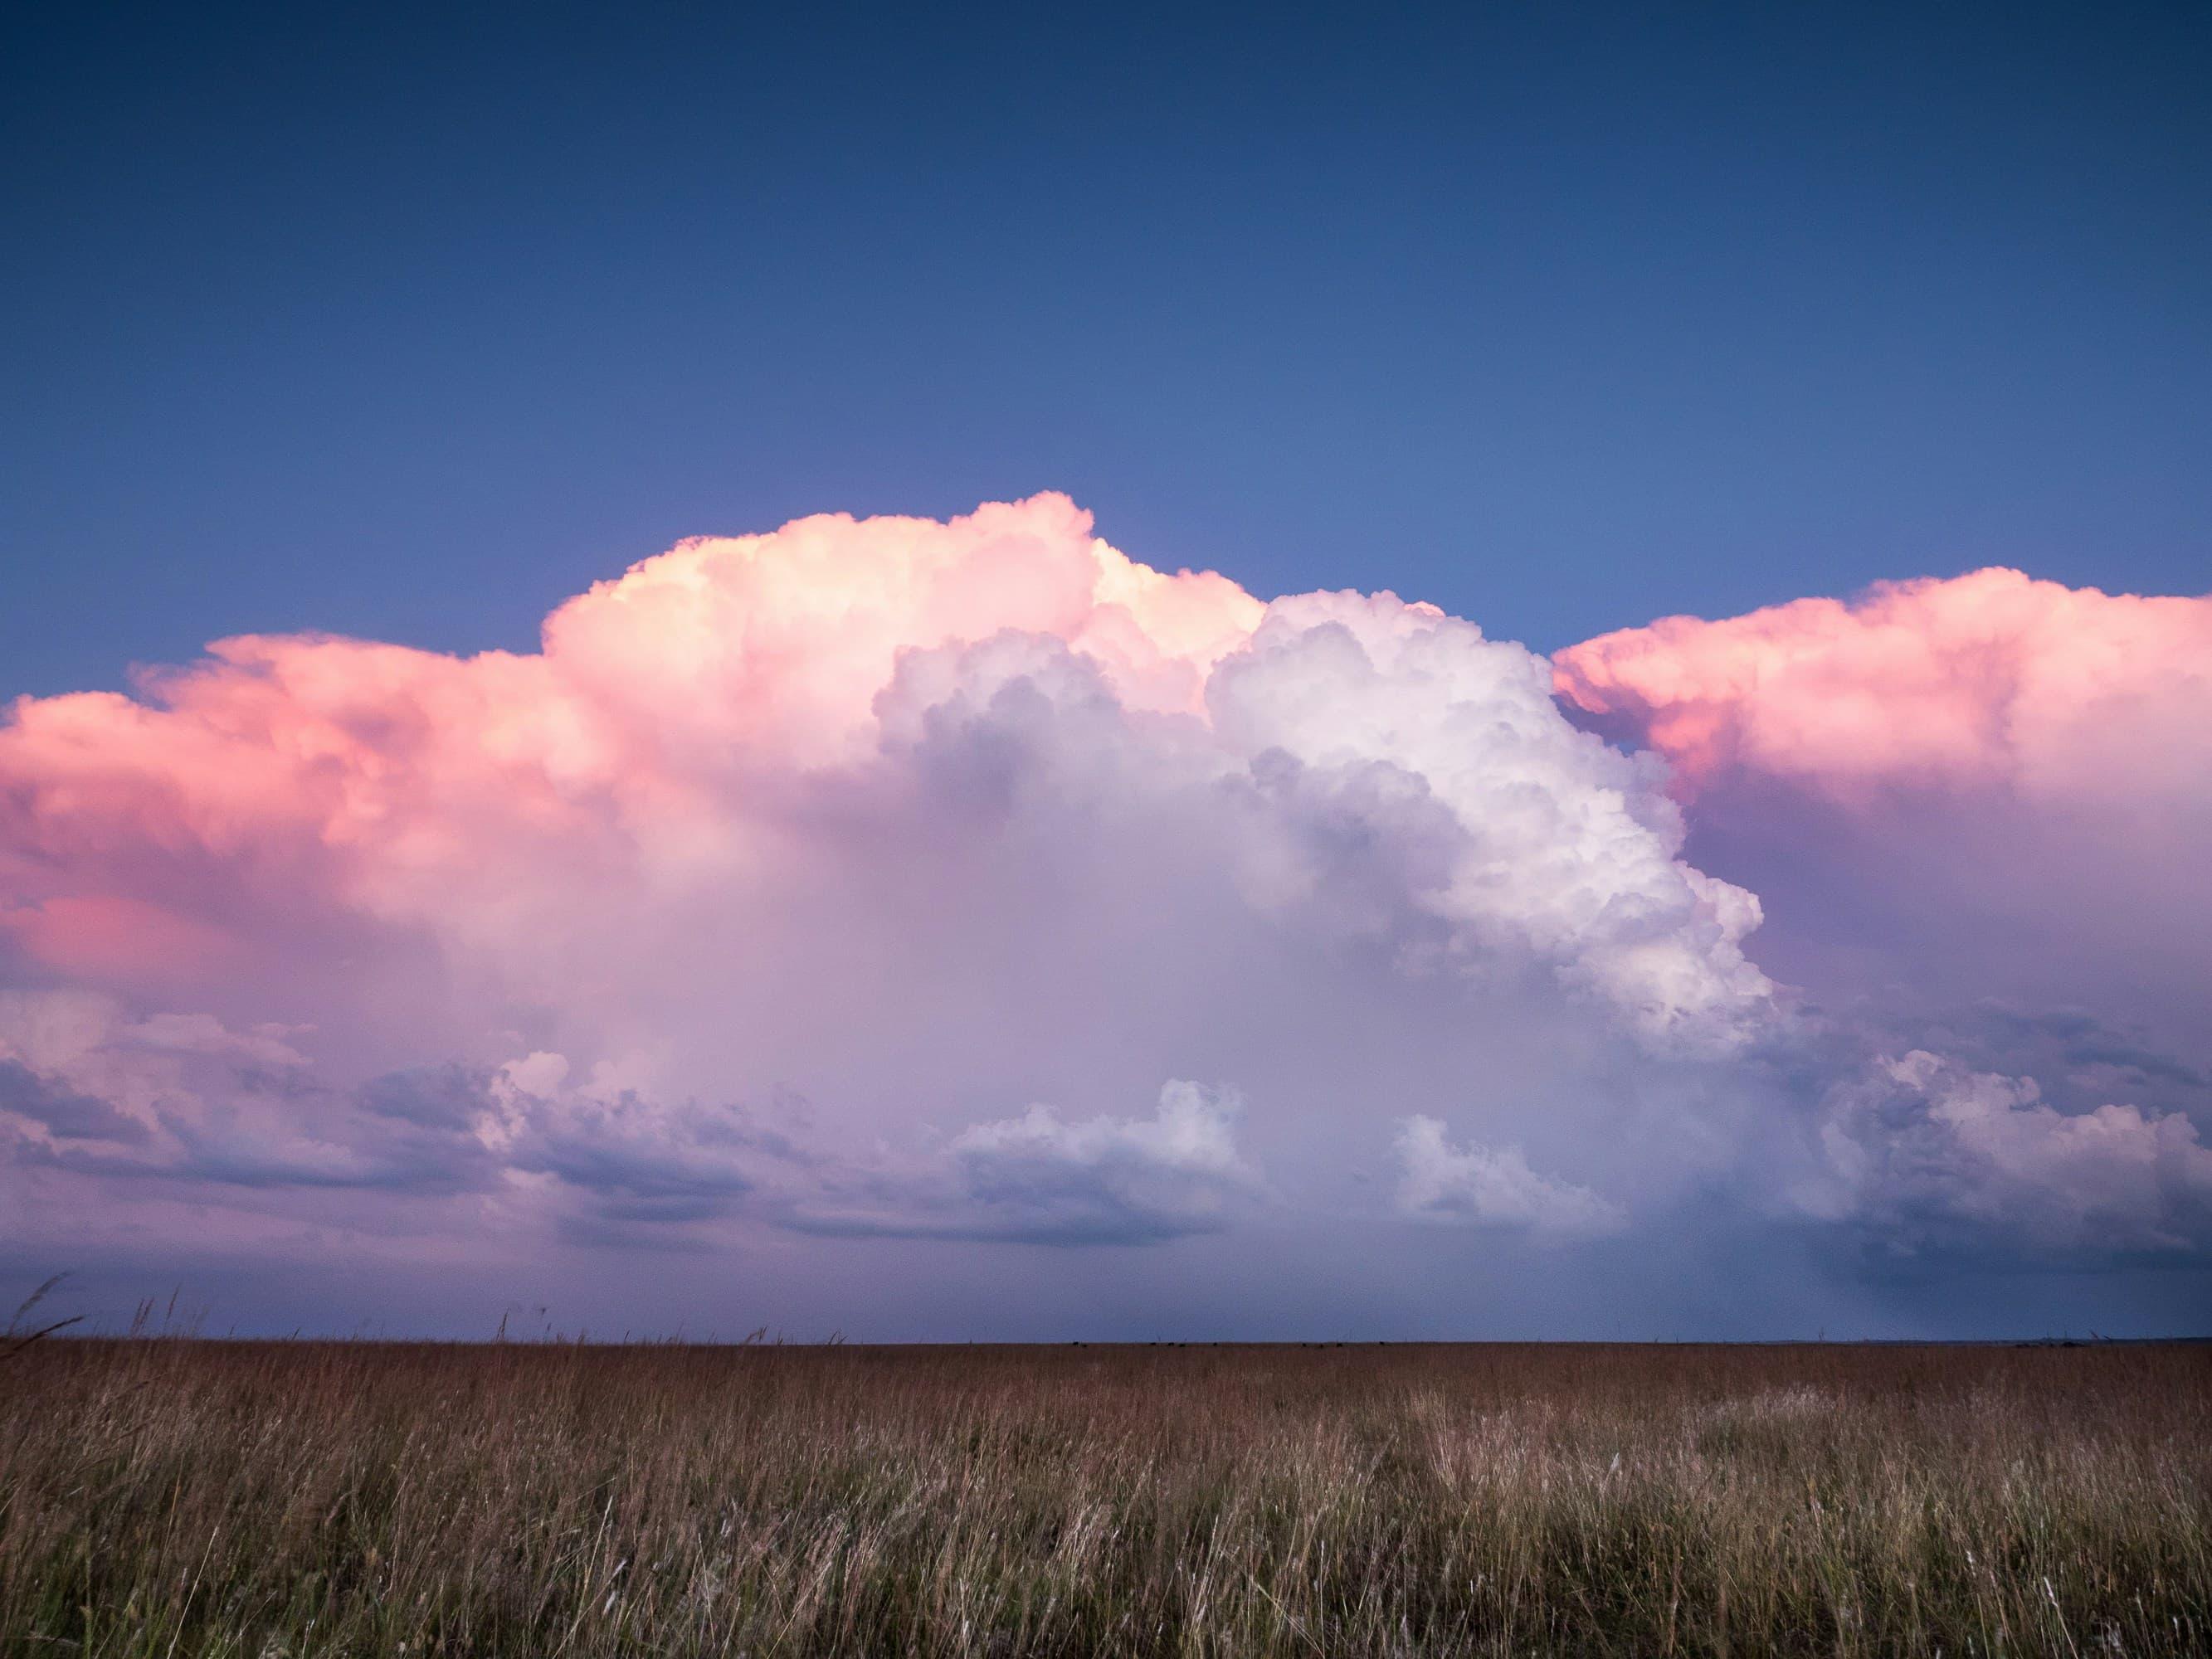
(184, 1497)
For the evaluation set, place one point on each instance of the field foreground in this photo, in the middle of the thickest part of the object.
(186, 1498)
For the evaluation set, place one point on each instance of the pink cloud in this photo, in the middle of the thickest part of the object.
(1952, 791)
(1991, 680)
(319, 771)
(868, 877)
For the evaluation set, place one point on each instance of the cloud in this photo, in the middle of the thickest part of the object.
(446, 1097)
(1036, 1178)
(1921, 1150)
(1543, 842)
(1477, 1185)
(634, 1158)
(180, 1098)
(756, 910)
(1053, 1181)
(1041, 1179)
(1977, 811)
(2076, 1056)
(2005, 783)
(679, 719)
(63, 1112)
(1988, 681)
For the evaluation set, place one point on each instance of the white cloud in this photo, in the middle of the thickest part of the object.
(790, 855)
(1041, 1178)
(1176, 1172)
(1478, 1186)
(1921, 1150)
(1552, 844)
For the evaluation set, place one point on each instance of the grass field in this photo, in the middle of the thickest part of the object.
(168, 1497)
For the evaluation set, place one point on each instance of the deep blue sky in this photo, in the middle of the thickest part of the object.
(409, 326)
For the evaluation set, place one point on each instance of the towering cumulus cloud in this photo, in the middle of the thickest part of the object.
(919, 895)
(2008, 783)
(1979, 810)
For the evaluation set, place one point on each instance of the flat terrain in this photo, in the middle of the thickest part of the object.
(167, 1497)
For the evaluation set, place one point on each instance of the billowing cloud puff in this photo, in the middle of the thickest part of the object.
(1041, 1179)
(1919, 1148)
(1478, 1186)
(1556, 847)
(859, 882)
(375, 777)
(673, 726)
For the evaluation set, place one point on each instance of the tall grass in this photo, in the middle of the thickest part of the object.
(189, 1497)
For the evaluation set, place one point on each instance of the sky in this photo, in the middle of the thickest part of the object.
(1015, 676)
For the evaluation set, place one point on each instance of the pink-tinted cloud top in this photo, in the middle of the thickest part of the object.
(1990, 680)
(376, 776)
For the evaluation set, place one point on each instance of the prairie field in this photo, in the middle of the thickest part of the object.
(168, 1497)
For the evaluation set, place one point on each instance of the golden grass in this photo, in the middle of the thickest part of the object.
(168, 1497)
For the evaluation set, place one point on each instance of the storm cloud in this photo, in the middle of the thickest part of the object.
(899, 886)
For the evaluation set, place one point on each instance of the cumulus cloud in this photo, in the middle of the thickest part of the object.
(1550, 845)
(1989, 786)
(759, 907)
(630, 1158)
(1478, 1186)
(1042, 1179)
(137, 1100)
(62, 1112)
(1987, 681)
(180, 1098)
(1920, 1150)
(1953, 795)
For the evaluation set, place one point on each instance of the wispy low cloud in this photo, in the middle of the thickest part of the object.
(1042, 1179)
(1478, 1186)
(86, 1088)
(606, 1161)
(1037, 1178)
(595, 1158)
(64, 1113)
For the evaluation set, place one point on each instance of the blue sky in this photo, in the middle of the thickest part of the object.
(404, 323)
